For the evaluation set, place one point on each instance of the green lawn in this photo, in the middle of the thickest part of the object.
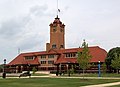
(115, 86)
(50, 82)
(95, 75)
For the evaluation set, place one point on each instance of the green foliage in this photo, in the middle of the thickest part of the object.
(72, 70)
(111, 55)
(115, 63)
(34, 70)
(92, 65)
(104, 67)
(84, 57)
(1, 66)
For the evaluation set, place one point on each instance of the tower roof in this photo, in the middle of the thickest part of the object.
(57, 21)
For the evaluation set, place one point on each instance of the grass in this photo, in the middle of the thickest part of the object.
(115, 86)
(95, 75)
(50, 82)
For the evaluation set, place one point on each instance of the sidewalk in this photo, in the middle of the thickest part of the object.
(103, 85)
(87, 77)
(54, 76)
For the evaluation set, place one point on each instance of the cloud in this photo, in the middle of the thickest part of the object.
(39, 10)
(25, 24)
(25, 32)
(11, 28)
(20, 27)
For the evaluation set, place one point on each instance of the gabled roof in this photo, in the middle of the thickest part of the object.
(98, 54)
(20, 59)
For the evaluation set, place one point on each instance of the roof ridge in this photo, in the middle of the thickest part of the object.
(88, 47)
(33, 52)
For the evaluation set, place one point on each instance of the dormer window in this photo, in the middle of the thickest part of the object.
(70, 55)
(29, 58)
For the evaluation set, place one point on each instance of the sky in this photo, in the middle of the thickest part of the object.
(24, 24)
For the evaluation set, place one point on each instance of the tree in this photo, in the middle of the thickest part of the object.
(1, 68)
(84, 57)
(72, 70)
(34, 70)
(110, 56)
(115, 63)
(104, 67)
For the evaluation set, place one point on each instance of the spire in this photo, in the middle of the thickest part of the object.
(57, 17)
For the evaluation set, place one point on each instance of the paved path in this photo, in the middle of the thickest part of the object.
(87, 77)
(103, 85)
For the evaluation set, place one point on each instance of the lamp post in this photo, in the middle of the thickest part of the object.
(60, 70)
(57, 70)
(28, 67)
(4, 73)
(68, 70)
(99, 73)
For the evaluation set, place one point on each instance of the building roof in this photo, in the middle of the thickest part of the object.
(20, 60)
(98, 54)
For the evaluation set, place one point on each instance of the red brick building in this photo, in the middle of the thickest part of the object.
(56, 57)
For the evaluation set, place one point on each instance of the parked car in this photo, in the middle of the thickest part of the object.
(27, 73)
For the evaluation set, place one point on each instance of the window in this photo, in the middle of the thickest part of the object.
(50, 68)
(29, 58)
(54, 46)
(54, 29)
(43, 56)
(61, 46)
(43, 68)
(50, 56)
(70, 55)
(43, 62)
(51, 62)
(67, 55)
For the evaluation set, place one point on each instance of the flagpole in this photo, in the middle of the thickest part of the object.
(57, 7)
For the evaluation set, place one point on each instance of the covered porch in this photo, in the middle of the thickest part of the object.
(19, 68)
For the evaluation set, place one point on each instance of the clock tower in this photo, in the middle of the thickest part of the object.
(57, 31)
